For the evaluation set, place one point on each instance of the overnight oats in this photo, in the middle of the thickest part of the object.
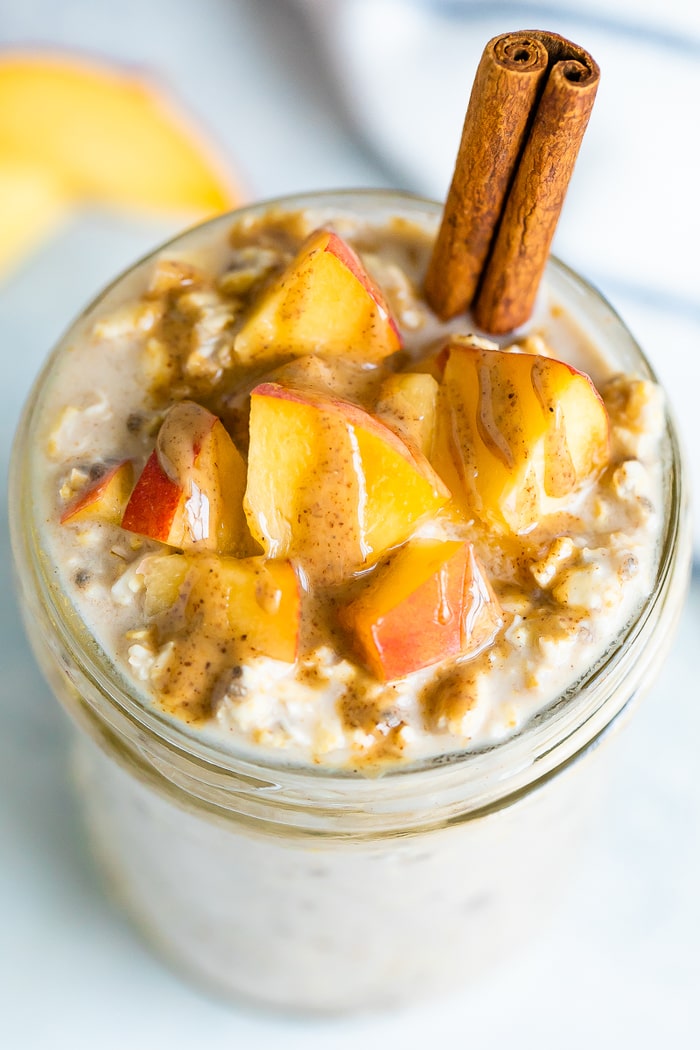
(345, 558)
(341, 595)
(330, 756)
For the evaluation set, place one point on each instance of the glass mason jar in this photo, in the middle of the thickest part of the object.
(318, 889)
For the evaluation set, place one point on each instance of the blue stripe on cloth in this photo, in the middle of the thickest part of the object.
(649, 296)
(657, 36)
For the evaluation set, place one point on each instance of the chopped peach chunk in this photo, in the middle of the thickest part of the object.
(324, 302)
(432, 601)
(408, 401)
(103, 498)
(263, 606)
(220, 612)
(254, 603)
(345, 489)
(519, 434)
(164, 577)
(190, 492)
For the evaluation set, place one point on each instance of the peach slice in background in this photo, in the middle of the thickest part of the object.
(190, 492)
(325, 302)
(87, 132)
(519, 434)
(432, 601)
(103, 498)
(33, 204)
(331, 484)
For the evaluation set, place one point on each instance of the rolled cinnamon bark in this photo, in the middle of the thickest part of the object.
(519, 212)
(508, 290)
(505, 91)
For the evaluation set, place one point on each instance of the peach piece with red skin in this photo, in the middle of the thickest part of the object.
(190, 492)
(348, 489)
(342, 251)
(103, 498)
(432, 601)
(153, 503)
(325, 302)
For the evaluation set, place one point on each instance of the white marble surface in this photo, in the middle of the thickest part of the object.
(620, 968)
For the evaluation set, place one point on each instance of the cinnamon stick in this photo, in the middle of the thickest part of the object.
(504, 93)
(530, 180)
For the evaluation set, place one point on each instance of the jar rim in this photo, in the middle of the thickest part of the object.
(480, 777)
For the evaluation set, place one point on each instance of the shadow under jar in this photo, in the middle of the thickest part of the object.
(317, 888)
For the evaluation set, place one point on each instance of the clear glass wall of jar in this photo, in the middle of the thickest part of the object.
(321, 890)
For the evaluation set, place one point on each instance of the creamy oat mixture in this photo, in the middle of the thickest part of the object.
(549, 588)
